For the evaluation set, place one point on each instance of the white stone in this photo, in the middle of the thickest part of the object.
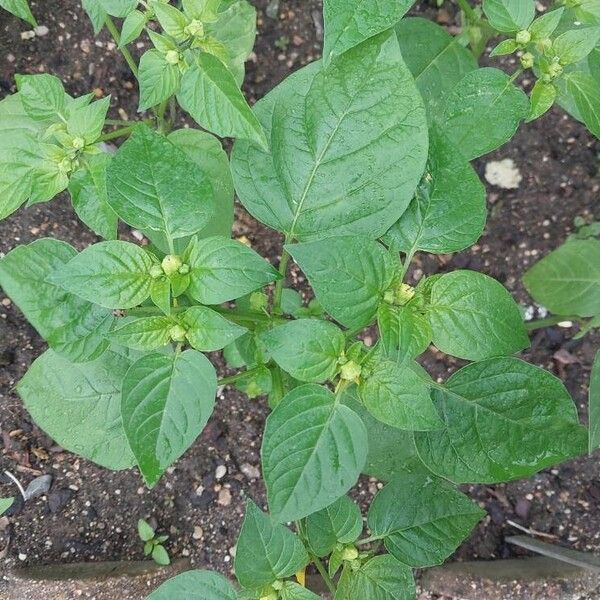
(503, 174)
(220, 472)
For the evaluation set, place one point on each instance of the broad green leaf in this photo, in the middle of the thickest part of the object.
(195, 585)
(171, 20)
(210, 93)
(505, 47)
(160, 294)
(340, 522)
(19, 8)
(472, 316)
(147, 333)
(266, 551)
(349, 145)
(294, 591)
(5, 504)
(545, 25)
(132, 28)
(483, 112)
(158, 79)
(160, 555)
(422, 520)
(542, 98)
(72, 326)
(448, 212)
(118, 8)
(588, 11)
(509, 16)
(380, 578)
(87, 187)
(584, 91)
(153, 185)
(567, 281)
(594, 406)
(112, 274)
(404, 332)
(167, 400)
(348, 23)
(504, 419)
(397, 396)
(391, 451)
(145, 532)
(207, 330)
(349, 275)
(309, 350)
(437, 60)
(43, 96)
(222, 269)
(313, 451)
(291, 301)
(79, 405)
(207, 152)
(573, 46)
(87, 121)
(96, 13)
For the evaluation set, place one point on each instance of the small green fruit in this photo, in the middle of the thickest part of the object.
(350, 553)
(350, 371)
(523, 37)
(171, 264)
(172, 57)
(184, 269)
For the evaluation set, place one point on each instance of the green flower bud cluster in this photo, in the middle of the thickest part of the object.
(400, 295)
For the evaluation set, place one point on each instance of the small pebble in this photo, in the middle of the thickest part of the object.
(27, 35)
(250, 471)
(503, 174)
(41, 31)
(198, 533)
(224, 498)
(220, 472)
(22, 556)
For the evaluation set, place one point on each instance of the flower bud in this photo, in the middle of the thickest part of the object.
(404, 294)
(350, 371)
(184, 269)
(350, 553)
(527, 60)
(156, 271)
(258, 301)
(555, 70)
(171, 264)
(194, 29)
(78, 143)
(523, 37)
(177, 333)
(277, 585)
(172, 57)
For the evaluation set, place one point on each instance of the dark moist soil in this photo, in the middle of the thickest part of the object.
(90, 514)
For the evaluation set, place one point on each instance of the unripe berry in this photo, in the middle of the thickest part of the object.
(350, 553)
(523, 37)
(171, 264)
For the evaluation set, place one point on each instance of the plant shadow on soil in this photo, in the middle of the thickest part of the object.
(90, 514)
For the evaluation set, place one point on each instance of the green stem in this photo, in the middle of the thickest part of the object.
(408, 259)
(116, 122)
(112, 28)
(160, 116)
(469, 11)
(366, 541)
(117, 133)
(548, 322)
(237, 376)
(278, 294)
(321, 568)
(515, 75)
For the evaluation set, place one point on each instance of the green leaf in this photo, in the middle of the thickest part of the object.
(112, 274)
(542, 98)
(171, 20)
(349, 275)
(380, 578)
(483, 112)
(118, 8)
(210, 93)
(545, 25)
(147, 333)
(43, 96)
(594, 406)
(404, 332)
(145, 532)
(567, 281)
(449, 210)
(207, 152)
(166, 402)
(345, 165)
(437, 60)
(195, 585)
(573, 46)
(509, 16)
(422, 520)
(266, 551)
(472, 316)
(340, 522)
(294, 591)
(505, 47)
(153, 185)
(391, 451)
(79, 405)
(87, 187)
(73, 327)
(309, 350)
(5, 504)
(19, 8)
(207, 330)
(132, 27)
(160, 294)
(397, 396)
(160, 555)
(291, 301)
(313, 451)
(158, 79)
(504, 419)
(222, 269)
(87, 121)
(348, 23)
(584, 90)
(96, 13)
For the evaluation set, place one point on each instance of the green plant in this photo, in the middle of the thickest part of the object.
(5, 504)
(153, 544)
(360, 161)
(19, 8)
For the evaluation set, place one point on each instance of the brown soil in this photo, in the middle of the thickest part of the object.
(90, 514)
